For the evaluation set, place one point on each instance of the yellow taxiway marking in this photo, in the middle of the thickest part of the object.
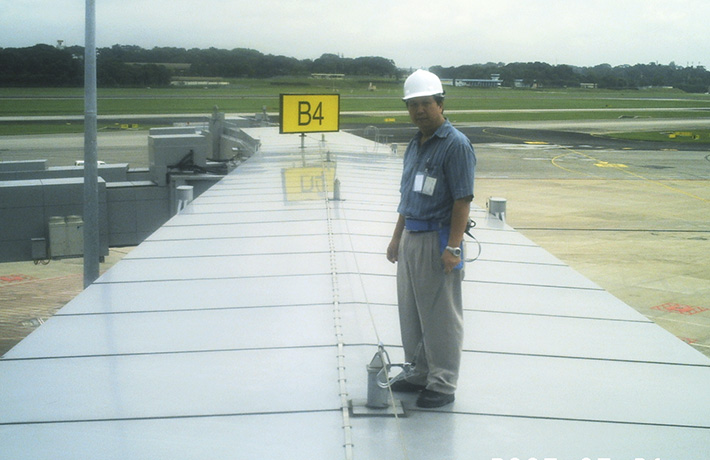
(621, 168)
(606, 164)
(603, 164)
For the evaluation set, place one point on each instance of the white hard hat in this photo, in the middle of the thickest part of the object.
(422, 83)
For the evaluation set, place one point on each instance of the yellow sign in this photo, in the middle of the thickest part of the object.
(309, 113)
(310, 183)
(684, 134)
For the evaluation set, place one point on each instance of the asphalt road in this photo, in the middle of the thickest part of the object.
(131, 146)
(589, 136)
(64, 149)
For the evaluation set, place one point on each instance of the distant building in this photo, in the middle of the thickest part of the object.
(588, 85)
(520, 83)
(198, 81)
(493, 82)
(328, 76)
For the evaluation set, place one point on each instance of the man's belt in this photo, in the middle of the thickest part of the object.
(415, 225)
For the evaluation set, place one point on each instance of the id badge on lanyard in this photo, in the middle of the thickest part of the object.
(424, 184)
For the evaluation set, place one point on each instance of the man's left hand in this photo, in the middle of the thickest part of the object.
(450, 261)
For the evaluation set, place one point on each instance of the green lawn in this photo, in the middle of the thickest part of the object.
(698, 136)
(250, 96)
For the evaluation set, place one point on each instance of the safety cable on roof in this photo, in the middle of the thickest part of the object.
(339, 335)
(342, 378)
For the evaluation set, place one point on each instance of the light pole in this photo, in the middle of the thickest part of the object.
(91, 185)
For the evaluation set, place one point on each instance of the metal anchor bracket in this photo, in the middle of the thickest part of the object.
(380, 400)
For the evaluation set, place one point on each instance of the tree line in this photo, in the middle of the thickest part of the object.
(121, 65)
(689, 79)
(124, 65)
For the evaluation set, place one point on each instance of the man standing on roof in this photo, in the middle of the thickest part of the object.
(436, 192)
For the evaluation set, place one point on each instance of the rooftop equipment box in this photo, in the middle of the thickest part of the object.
(66, 237)
(166, 152)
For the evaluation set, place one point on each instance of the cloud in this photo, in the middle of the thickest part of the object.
(415, 33)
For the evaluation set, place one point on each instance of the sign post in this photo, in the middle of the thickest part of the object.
(309, 113)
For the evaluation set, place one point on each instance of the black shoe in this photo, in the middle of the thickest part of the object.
(403, 386)
(430, 399)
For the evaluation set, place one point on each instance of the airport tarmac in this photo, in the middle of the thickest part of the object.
(631, 217)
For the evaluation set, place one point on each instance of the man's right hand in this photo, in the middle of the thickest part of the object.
(392, 250)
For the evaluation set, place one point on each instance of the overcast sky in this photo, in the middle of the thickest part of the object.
(413, 33)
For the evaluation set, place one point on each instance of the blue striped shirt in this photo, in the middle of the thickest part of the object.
(447, 157)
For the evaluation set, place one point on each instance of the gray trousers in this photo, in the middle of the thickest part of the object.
(430, 312)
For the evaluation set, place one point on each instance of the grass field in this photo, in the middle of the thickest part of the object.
(251, 96)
